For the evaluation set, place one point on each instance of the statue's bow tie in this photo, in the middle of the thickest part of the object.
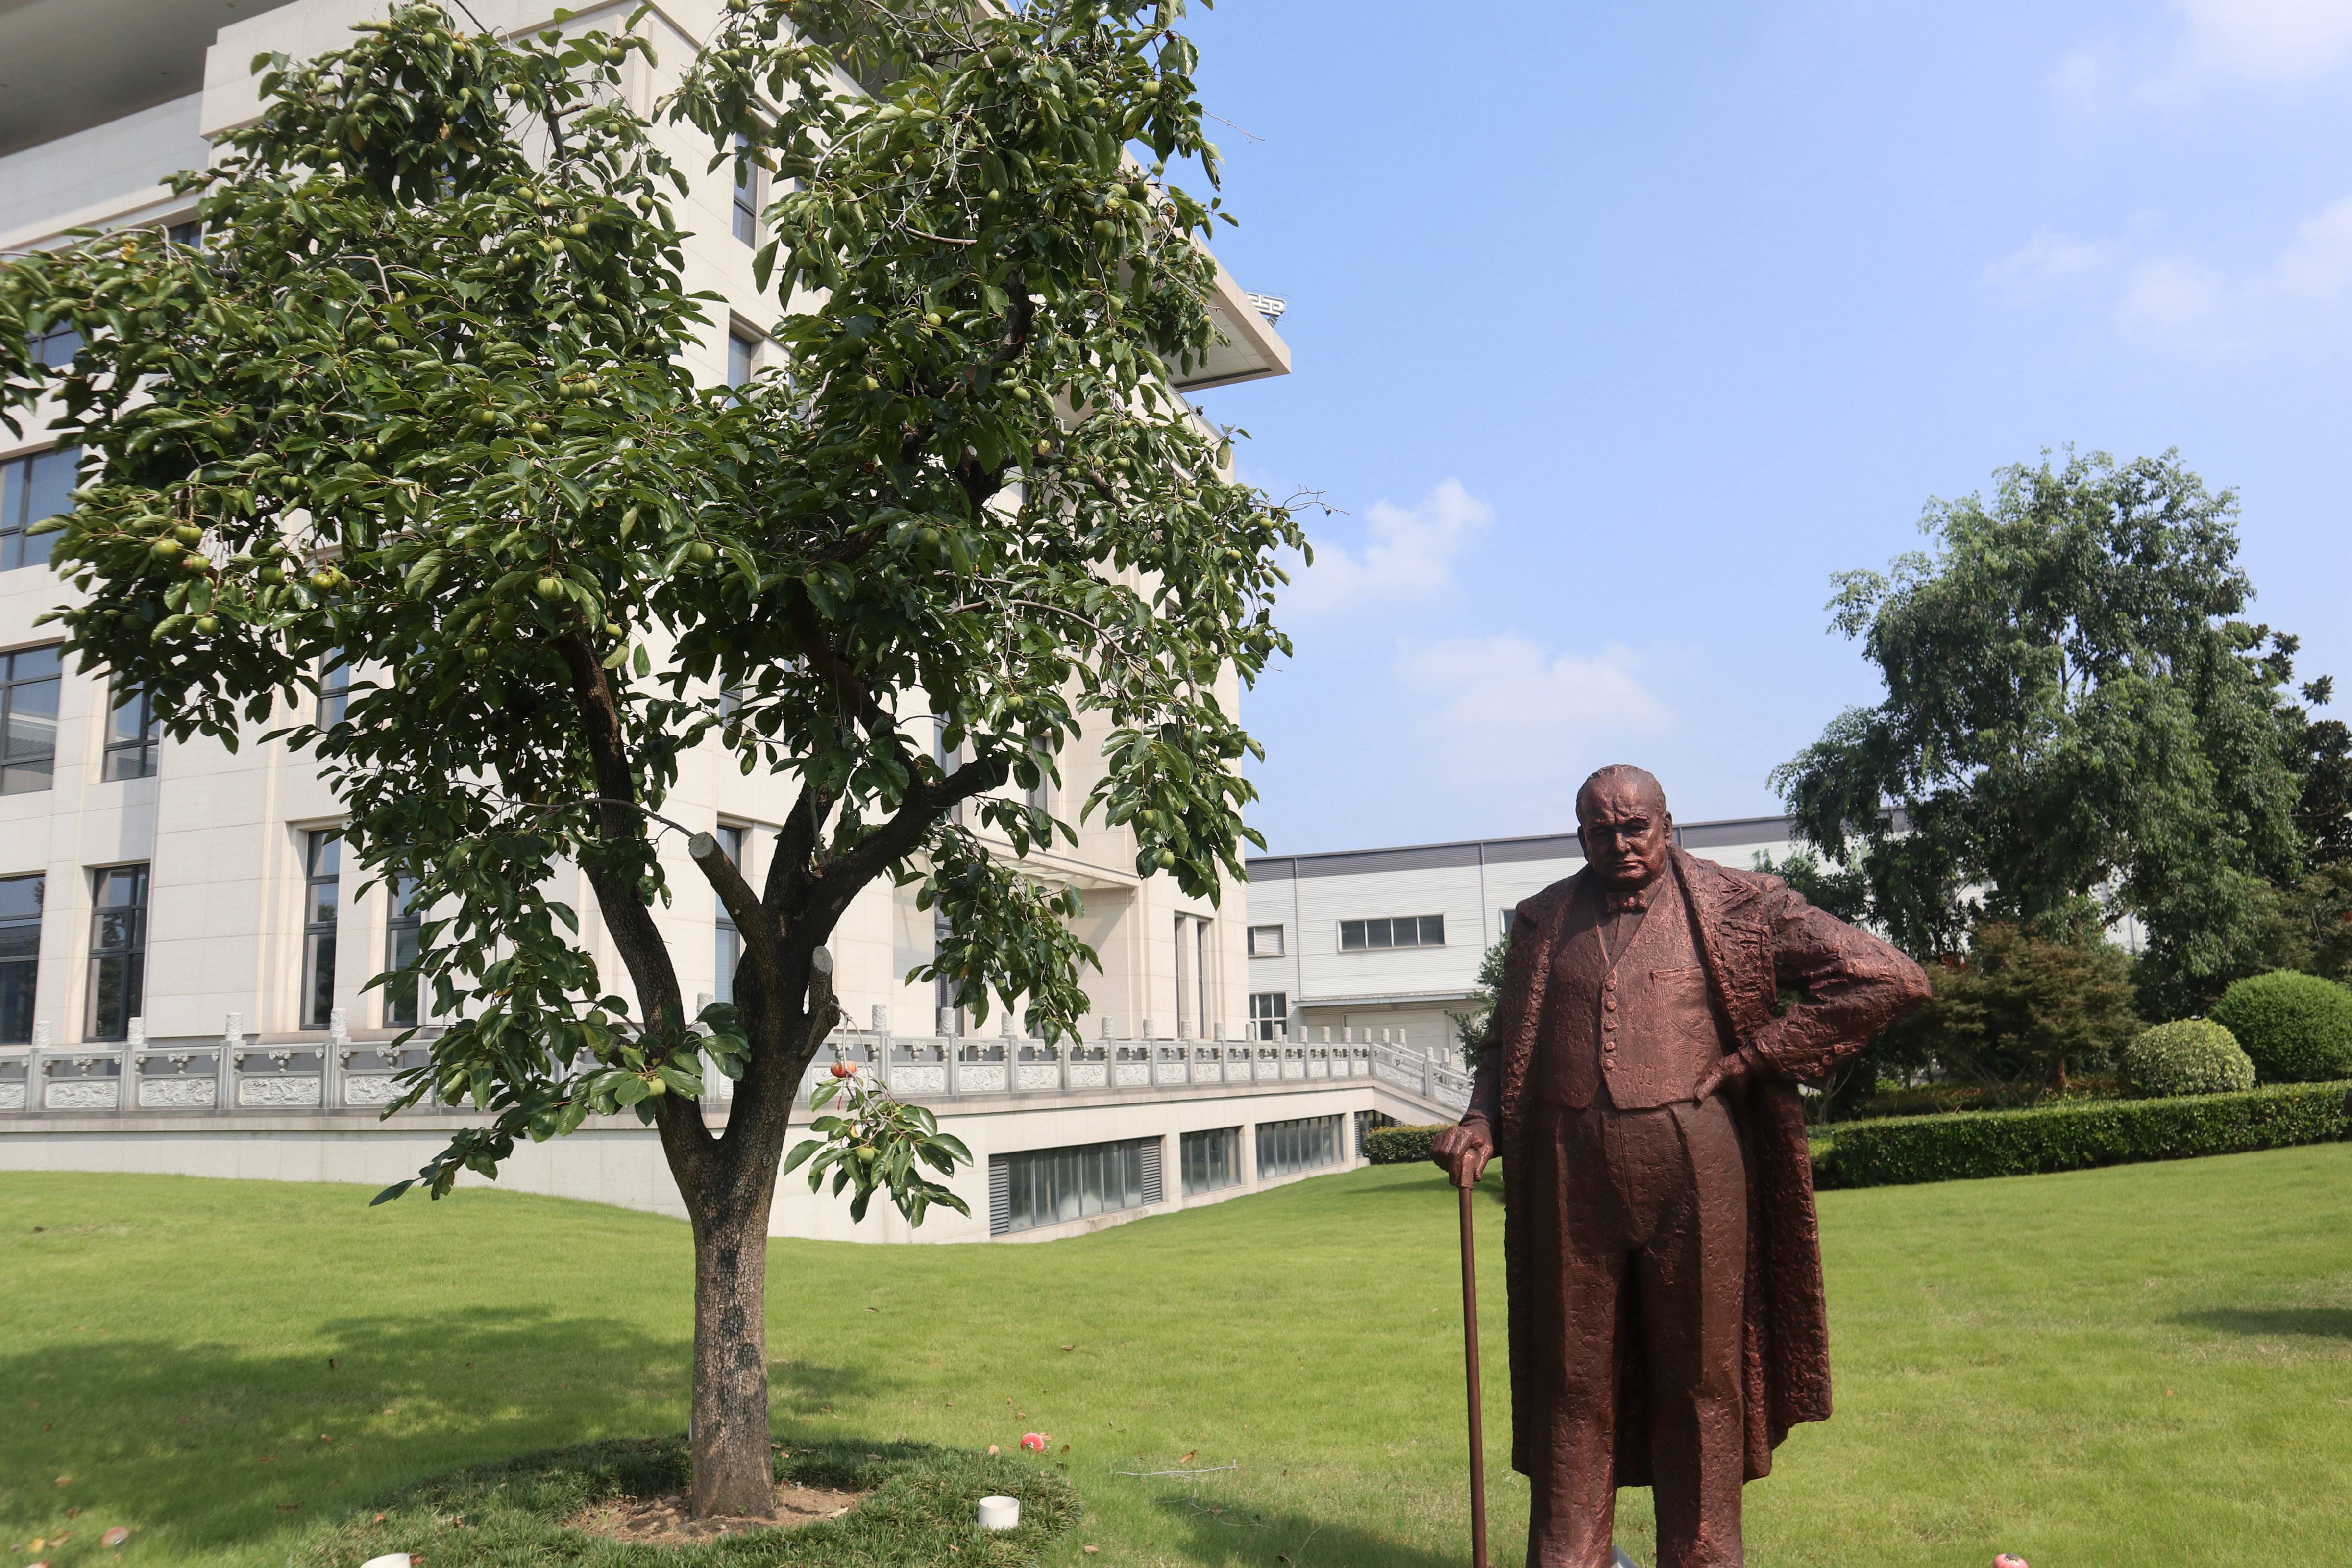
(1628, 903)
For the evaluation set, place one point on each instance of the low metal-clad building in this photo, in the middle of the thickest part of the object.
(1378, 944)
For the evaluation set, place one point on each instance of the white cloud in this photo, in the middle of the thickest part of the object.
(2047, 263)
(2185, 306)
(1510, 717)
(2206, 46)
(2084, 79)
(2179, 303)
(2263, 41)
(1407, 556)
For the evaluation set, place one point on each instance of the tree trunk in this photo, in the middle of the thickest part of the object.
(734, 1471)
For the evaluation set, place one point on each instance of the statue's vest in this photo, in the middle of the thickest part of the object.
(1642, 1026)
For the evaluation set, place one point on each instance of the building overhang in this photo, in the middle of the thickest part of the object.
(1386, 999)
(1249, 349)
(68, 65)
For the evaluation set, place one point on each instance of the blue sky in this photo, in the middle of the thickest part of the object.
(1619, 328)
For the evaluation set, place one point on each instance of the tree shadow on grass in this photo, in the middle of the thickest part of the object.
(1221, 1533)
(2310, 1322)
(205, 1446)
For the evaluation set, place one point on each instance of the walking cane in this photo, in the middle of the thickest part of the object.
(1470, 1370)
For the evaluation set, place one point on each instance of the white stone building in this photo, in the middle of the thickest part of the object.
(179, 939)
(1375, 944)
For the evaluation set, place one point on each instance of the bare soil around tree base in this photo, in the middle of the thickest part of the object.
(665, 1521)
(621, 1504)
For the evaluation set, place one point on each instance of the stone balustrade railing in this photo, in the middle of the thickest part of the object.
(232, 1075)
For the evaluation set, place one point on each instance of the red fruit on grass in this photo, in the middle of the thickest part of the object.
(2006, 1561)
(1033, 1441)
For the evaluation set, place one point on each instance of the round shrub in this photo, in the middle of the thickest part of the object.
(2190, 1055)
(2297, 1028)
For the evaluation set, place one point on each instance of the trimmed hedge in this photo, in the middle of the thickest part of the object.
(2188, 1055)
(1980, 1144)
(2297, 1028)
(521, 1511)
(1401, 1145)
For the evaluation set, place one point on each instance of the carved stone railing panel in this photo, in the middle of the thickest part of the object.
(281, 1091)
(177, 1093)
(917, 1079)
(237, 1073)
(84, 1094)
(371, 1090)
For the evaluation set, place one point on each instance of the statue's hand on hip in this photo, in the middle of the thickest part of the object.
(1462, 1152)
(1735, 1066)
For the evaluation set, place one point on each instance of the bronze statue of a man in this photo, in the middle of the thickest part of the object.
(1664, 1265)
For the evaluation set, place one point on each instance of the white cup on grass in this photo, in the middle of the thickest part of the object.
(1000, 1512)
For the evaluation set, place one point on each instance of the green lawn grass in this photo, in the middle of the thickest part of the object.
(2116, 1368)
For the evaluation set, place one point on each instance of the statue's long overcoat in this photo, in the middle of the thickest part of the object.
(1757, 937)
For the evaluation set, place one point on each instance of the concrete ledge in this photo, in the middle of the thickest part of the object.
(618, 1160)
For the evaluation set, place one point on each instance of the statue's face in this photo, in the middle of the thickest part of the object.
(1625, 829)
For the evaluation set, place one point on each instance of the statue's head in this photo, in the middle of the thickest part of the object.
(1623, 824)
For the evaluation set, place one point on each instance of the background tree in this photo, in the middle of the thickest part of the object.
(2075, 711)
(2321, 750)
(2020, 1011)
(1470, 1025)
(415, 407)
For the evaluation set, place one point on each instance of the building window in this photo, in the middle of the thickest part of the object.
(1265, 942)
(190, 233)
(742, 358)
(1404, 930)
(747, 193)
(57, 347)
(29, 680)
(1040, 795)
(404, 932)
(730, 941)
(118, 949)
(133, 736)
(946, 1011)
(1286, 1148)
(1049, 1186)
(1211, 1160)
(1508, 916)
(335, 689)
(20, 956)
(1270, 1014)
(323, 898)
(1191, 977)
(32, 489)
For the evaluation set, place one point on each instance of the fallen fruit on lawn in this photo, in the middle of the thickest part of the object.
(114, 1537)
(1033, 1441)
(2006, 1561)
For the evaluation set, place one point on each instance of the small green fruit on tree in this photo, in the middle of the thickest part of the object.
(436, 321)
